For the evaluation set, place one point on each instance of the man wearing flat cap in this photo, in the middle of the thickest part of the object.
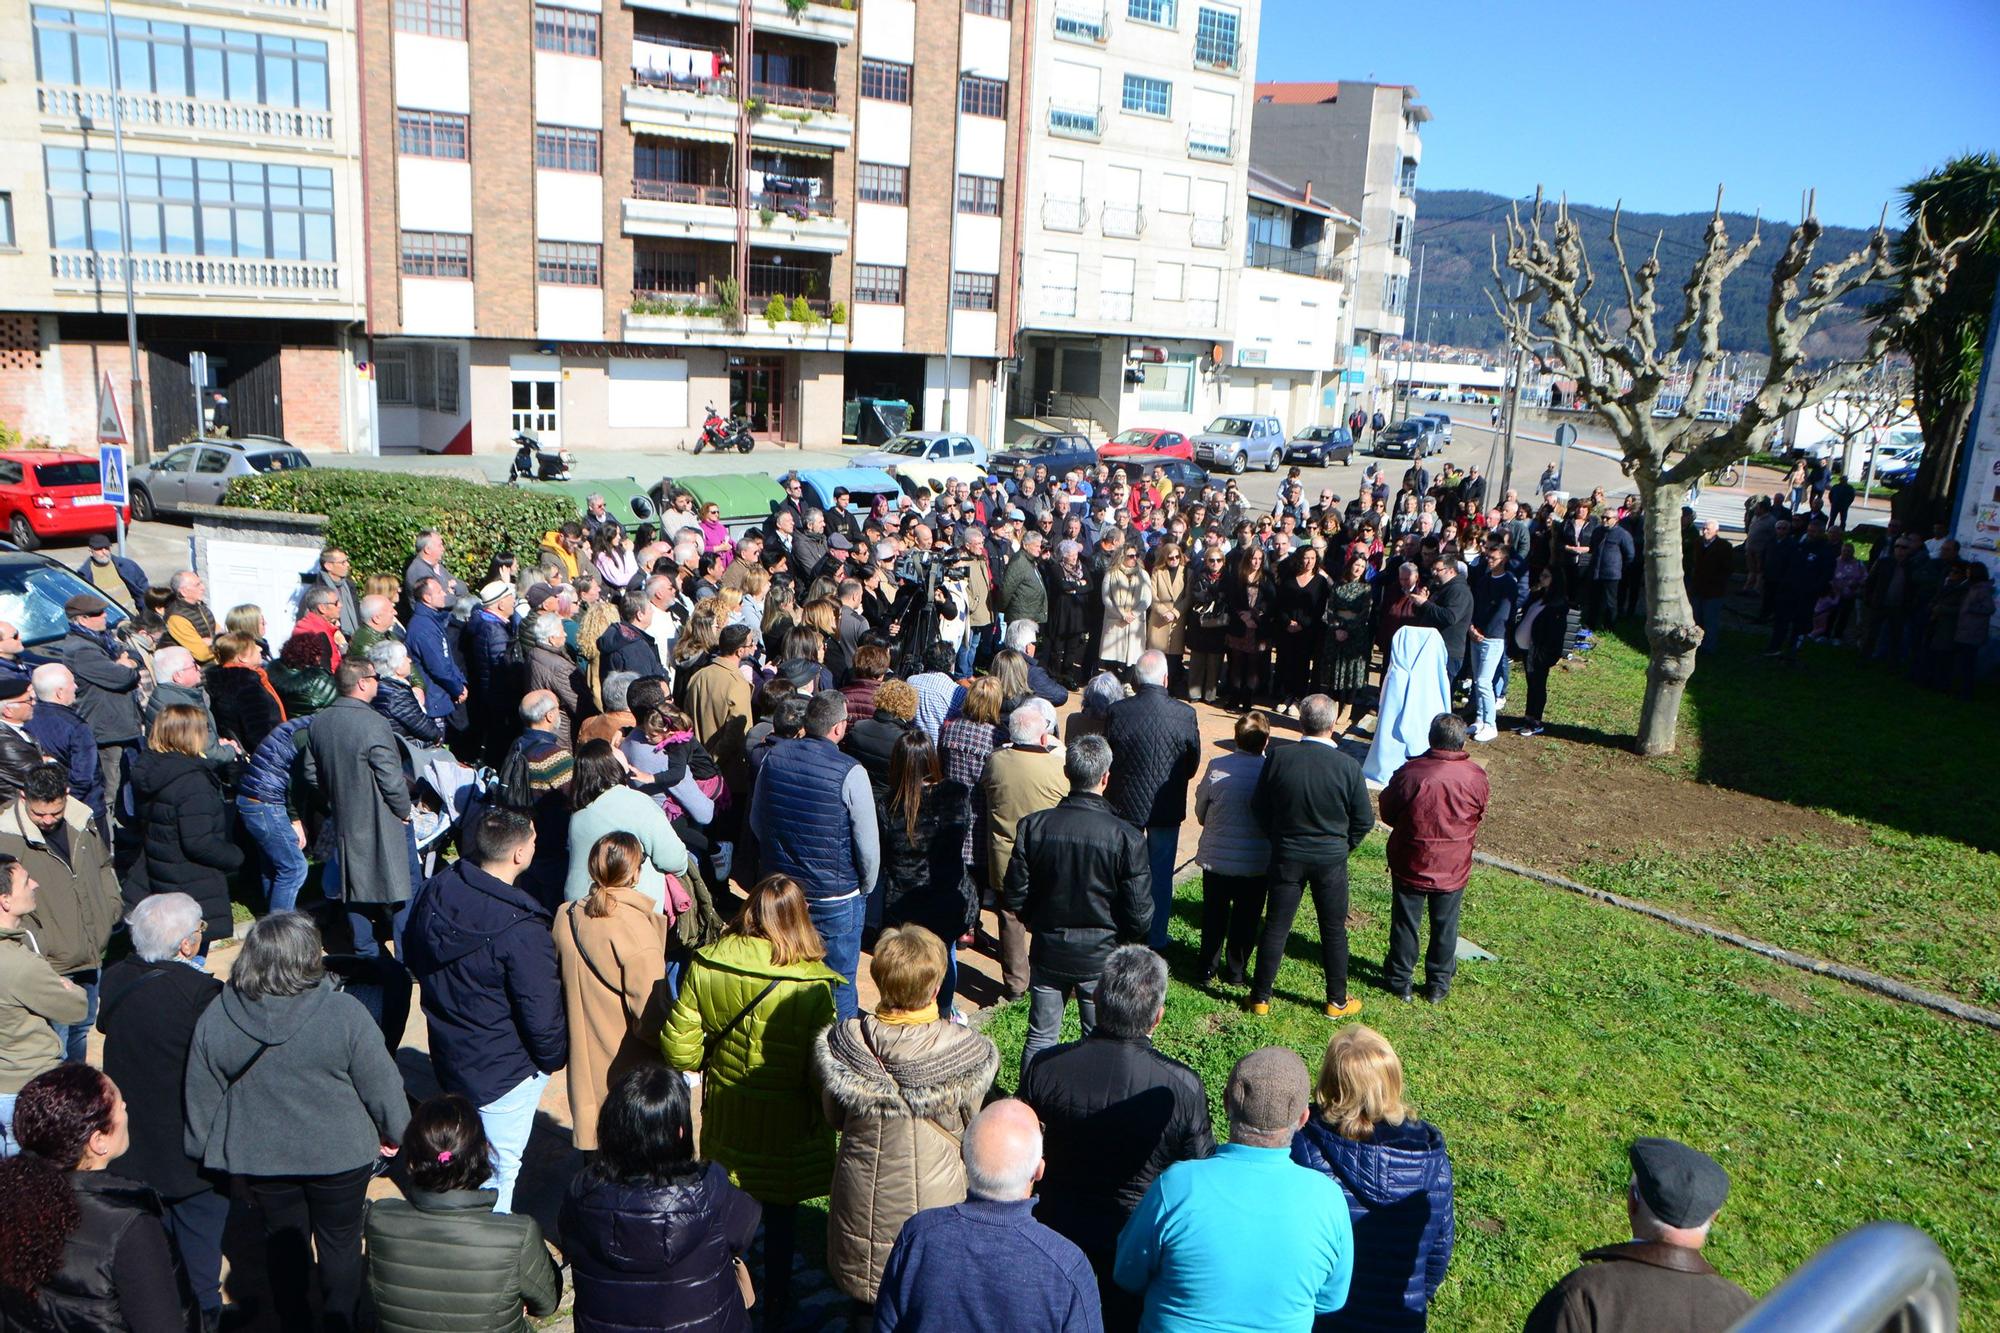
(1657, 1282)
(1246, 1238)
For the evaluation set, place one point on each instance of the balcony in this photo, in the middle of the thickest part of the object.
(797, 222)
(198, 275)
(1064, 214)
(664, 318)
(1082, 23)
(681, 211)
(1211, 143)
(188, 119)
(1123, 223)
(1075, 122)
(1219, 54)
(822, 20)
(1304, 263)
(1208, 233)
(662, 101)
(782, 114)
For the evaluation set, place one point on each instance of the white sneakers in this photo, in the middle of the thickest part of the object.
(1485, 731)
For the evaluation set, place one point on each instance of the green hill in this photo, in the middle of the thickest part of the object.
(1458, 227)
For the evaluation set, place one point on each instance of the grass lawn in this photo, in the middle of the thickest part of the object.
(1595, 1026)
(1894, 860)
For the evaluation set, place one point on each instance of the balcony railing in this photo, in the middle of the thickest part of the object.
(1075, 122)
(1212, 142)
(1115, 305)
(788, 95)
(1289, 259)
(787, 204)
(1122, 222)
(191, 115)
(1216, 53)
(1209, 233)
(1064, 214)
(683, 192)
(1081, 23)
(680, 67)
(199, 274)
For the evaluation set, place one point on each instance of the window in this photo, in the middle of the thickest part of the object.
(878, 284)
(7, 219)
(982, 97)
(1406, 179)
(972, 291)
(434, 254)
(190, 205)
(431, 134)
(658, 270)
(885, 81)
(559, 148)
(1394, 288)
(417, 375)
(1215, 43)
(1169, 387)
(879, 183)
(569, 32)
(1148, 97)
(430, 18)
(1151, 11)
(1399, 238)
(569, 263)
(993, 9)
(178, 60)
(979, 194)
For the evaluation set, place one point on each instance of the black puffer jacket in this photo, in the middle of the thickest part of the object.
(924, 879)
(446, 1263)
(1080, 882)
(117, 1260)
(186, 847)
(395, 700)
(244, 710)
(871, 741)
(1155, 749)
(657, 1259)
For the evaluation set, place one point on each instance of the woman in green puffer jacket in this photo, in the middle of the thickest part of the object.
(442, 1261)
(749, 1015)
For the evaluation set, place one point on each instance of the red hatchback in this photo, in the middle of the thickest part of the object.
(46, 493)
(1147, 440)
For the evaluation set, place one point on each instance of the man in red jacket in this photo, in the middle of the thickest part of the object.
(1433, 804)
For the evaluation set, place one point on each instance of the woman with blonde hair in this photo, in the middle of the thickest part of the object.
(747, 1020)
(1396, 1175)
(598, 617)
(247, 619)
(180, 812)
(823, 615)
(612, 948)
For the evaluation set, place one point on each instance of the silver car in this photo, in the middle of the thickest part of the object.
(198, 472)
(1233, 443)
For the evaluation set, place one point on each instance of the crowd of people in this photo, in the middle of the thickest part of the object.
(633, 808)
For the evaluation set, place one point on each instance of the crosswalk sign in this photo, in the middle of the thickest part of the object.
(110, 427)
(111, 470)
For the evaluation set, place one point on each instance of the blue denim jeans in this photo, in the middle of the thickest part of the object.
(508, 1121)
(75, 1037)
(283, 864)
(1161, 844)
(8, 1145)
(838, 922)
(1708, 615)
(1487, 657)
(1046, 1002)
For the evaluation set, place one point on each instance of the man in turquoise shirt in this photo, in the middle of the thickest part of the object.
(1244, 1240)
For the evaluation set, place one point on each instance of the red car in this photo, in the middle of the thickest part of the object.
(47, 493)
(1148, 440)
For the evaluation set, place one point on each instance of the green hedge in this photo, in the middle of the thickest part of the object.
(375, 516)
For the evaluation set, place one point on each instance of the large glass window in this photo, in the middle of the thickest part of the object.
(570, 32)
(982, 97)
(885, 81)
(878, 284)
(1169, 387)
(1151, 11)
(569, 263)
(432, 18)
(180, 60)
(880, 183)
(1215, 37)
(431, 134)
(979, 194)
(559, 148)
(973, 291)
(436, 254)
(190, 206)
(1148, 97)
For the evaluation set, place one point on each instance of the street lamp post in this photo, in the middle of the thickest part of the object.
(140, 452)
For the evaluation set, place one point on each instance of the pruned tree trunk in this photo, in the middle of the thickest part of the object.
(1672, 635)
(1927, 500)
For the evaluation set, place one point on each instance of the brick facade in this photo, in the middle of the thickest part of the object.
(314, 380)
(378, 167)
(502, 43)
(933, 137)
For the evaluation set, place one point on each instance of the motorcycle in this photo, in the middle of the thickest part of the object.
(725, 434)
(535, 463)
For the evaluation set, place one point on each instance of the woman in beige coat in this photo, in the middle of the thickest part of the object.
(612, 948)
(1128, 593)
(1166, 619)
(900, 1086)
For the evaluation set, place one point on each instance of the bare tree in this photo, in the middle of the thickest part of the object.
(1621, 366)
(1867, 410)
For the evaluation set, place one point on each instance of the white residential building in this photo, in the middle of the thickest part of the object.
(1290, 328)
(1133, 221)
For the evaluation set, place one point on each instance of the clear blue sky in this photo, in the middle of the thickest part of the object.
(1658, 103)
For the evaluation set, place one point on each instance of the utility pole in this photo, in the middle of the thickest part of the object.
(140, 434)
(1505, 443)
(1416, 323)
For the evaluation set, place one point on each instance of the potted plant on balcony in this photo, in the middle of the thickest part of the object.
(777, 310)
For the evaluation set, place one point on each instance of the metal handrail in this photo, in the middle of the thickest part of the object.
(1874, 1274)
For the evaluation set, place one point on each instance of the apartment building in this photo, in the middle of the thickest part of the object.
(243, 183)
(1138, 143)
(1358, 147)
(591, 220)
(1289, 332)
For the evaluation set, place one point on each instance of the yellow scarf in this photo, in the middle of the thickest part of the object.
(907, 1018)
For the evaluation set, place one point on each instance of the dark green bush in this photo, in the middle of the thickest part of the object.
(375, 516)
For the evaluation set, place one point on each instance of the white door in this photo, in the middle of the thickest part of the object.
(537, 409)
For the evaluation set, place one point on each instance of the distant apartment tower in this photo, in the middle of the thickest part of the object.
(1357, 146)
(1138, 144)
(242, 164)
(591, 220)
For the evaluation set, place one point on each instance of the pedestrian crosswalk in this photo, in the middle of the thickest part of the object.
(1724, 506)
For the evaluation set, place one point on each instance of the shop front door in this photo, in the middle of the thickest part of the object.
(757, 390)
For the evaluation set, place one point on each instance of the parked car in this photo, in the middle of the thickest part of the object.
(199, 472)
(50, 493)
(33, 589)
(929, 457)
(1233, 443)
(1057, 451)
(1320, 445)
(1443, 423)
(1139, 467)
(1414, 438)
(1148, 440)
